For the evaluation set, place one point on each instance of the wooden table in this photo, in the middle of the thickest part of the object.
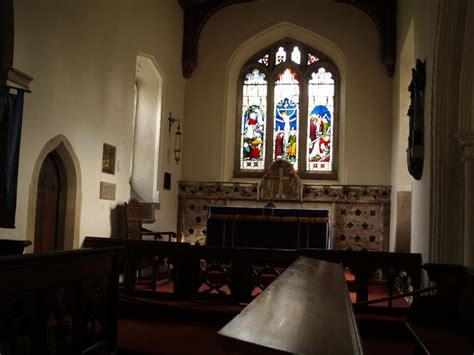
(306, 310)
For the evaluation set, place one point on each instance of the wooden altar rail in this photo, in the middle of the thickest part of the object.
(60, 302)
(234, 274)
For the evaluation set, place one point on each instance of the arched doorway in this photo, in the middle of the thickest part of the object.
(51, 205)
(68, 173)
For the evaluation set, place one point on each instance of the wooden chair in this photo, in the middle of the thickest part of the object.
(134, 220)
(134, 230)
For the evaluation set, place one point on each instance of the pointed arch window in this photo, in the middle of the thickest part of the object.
(288, 110)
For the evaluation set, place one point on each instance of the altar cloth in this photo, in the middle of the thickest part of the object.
(275, 228)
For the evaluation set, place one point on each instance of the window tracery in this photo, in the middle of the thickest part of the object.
(288, 110)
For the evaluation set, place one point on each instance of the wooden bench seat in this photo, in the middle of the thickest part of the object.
(444, 323)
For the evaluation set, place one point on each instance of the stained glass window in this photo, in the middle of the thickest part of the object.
(280, 56)
(264, 60)
(286, 115)
(312, 59)
(280, 84)
(254, 106)
(296, 55)
(320, 116)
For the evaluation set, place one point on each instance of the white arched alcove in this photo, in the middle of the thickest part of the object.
(253, 45)
(61, 145)
(147, 123)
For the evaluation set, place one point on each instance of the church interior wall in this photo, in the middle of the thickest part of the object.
(400, 177)
(82, 57)
(365, 126)
(422, 15)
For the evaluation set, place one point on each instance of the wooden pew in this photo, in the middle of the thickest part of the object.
(61, 302)
(444, 323)
(306, 310)
(13, 247)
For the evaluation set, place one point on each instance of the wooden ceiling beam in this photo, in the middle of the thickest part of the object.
(6, 39)
(197, 12)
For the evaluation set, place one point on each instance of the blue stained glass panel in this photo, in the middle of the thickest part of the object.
(286, 117)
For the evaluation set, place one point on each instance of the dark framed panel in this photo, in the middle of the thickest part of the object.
(415, 150)
(108, 159)
(167, 181)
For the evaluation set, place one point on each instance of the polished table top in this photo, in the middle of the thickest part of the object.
(306, 310)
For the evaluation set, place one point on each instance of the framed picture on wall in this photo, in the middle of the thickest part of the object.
(107, 191)
(108, 159)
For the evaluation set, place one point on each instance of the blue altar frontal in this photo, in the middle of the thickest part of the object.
(274, 228)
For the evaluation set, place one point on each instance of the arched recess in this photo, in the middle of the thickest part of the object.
(61, 146)
(149, 83)
(252, 46)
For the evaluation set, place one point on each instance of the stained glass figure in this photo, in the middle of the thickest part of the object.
(286, 111)
(312, 59)
(264, 60)
(296, 55)
(254, 106)
(280, 56)
(320, 121)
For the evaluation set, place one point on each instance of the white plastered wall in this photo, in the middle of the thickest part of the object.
(422, 15)
(401, 179)
(343, 32)
(82, 57)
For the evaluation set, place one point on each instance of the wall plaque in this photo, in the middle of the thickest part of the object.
(107, 191)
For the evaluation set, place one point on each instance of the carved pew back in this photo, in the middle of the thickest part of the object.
(61, 302)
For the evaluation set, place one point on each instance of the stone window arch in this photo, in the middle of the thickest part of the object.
(288, 97)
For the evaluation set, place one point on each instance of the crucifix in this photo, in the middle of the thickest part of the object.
(279, 178)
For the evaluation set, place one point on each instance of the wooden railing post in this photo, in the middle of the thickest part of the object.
(241, 281)
(187, 273)
(131, 268)
(362, 278)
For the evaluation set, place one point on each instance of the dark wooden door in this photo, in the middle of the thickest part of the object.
(47, 205)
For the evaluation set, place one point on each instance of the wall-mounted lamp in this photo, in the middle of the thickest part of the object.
(177, 137)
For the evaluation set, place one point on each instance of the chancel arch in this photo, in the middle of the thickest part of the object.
(60, 153)
(248, 49)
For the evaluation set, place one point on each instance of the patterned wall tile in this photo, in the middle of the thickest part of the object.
(360, 215)
(359, 226)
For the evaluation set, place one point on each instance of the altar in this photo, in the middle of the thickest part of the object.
(274, 228)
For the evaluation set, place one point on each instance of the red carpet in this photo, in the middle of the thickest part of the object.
(156, 337)
(195, 335)
(142, 337)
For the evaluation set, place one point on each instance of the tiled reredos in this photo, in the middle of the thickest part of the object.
(359, 215)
